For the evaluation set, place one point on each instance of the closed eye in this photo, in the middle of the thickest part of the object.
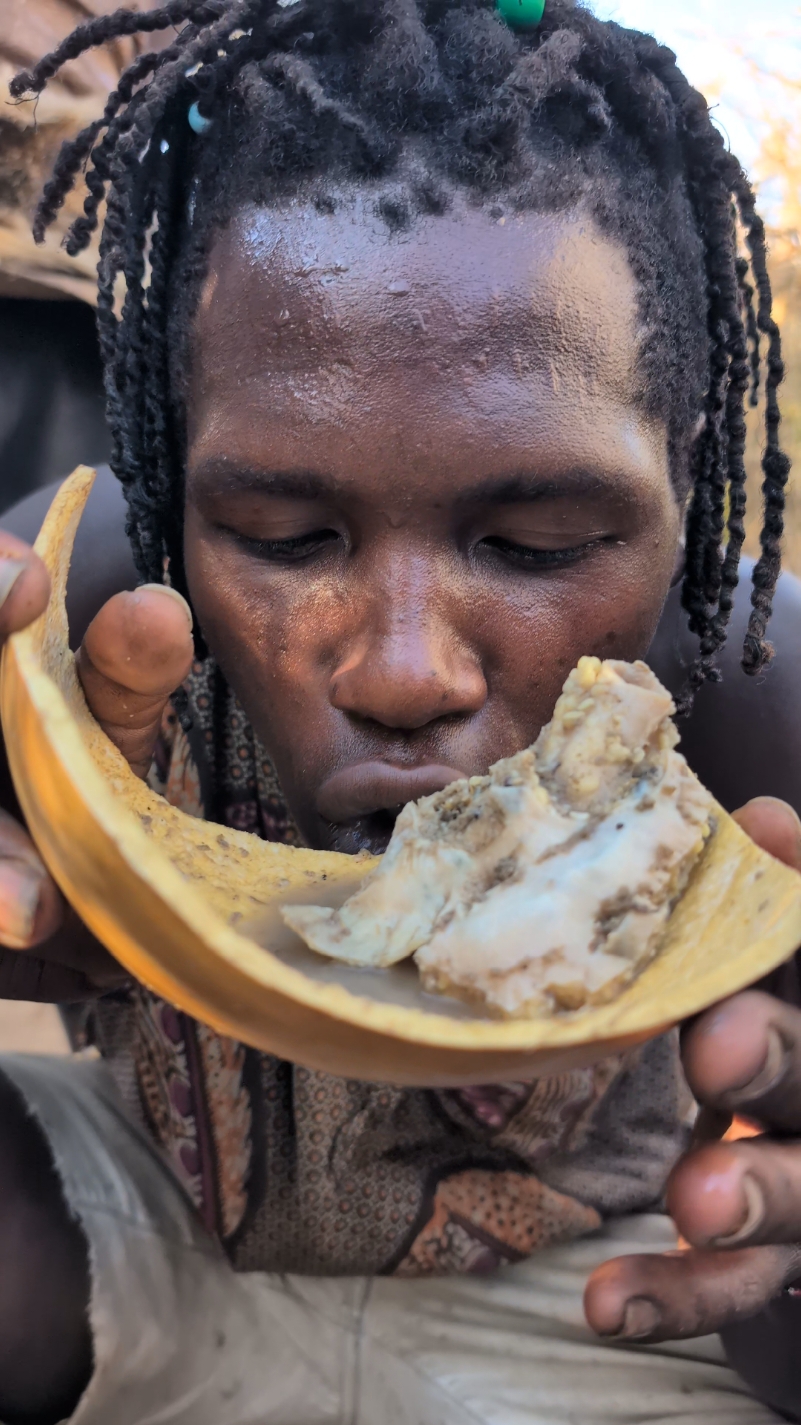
(523, 556)
(288, 551)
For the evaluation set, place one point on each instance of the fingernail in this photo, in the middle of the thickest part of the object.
(774, 1068)
(173, 593)
(640, 1319)
(10, 570)
(20, 893)
(754, 1214)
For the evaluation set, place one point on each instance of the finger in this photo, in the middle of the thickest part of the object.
(774, 826)
(136, 652)
(70, 966)
(679, 1294)
(31, 905)
(710, 1125)
(738, 1194)
(48, 954)
(744, 1056)
(24, 585)
(28, 977)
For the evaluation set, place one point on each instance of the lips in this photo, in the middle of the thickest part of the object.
(365, 788)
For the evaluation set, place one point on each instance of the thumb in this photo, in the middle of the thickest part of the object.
(24, 585)
(774, 826)
(135, 653)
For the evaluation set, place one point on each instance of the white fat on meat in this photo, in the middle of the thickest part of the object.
(547, 884)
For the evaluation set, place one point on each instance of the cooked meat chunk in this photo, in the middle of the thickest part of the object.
(545, 885)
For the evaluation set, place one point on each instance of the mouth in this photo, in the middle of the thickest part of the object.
(362, 802)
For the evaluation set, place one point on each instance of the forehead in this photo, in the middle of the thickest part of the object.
(324, 340)
(298, 291)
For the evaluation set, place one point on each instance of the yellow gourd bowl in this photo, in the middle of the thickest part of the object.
(191, 908)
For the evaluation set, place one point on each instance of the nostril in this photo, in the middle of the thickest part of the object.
(400, 696)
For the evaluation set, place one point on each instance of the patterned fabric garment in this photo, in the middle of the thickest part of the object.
(298, 1171)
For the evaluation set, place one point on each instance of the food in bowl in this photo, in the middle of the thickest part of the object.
(547, 884)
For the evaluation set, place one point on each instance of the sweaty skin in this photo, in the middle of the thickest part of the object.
(432, 491)
(442, 427)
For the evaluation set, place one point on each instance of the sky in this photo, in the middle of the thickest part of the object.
(714, 39)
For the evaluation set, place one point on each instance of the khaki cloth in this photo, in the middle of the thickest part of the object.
(180, 1339)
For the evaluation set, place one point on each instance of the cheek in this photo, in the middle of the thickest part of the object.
(278, 637)
(272, 637)
(608, 606)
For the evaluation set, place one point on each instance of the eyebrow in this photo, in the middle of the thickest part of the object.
(296, 484)
(525, 488)
(500, 489)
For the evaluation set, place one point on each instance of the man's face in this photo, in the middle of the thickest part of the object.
(420, 485)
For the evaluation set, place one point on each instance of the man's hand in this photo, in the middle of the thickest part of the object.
(135, 653)
(738, 1204)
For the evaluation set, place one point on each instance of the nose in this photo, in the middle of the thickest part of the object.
(407, 671)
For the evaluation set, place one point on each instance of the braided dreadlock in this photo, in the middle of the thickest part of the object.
(415, 97)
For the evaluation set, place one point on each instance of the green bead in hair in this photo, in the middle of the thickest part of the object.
(521, 14)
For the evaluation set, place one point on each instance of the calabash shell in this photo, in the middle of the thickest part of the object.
(191, 908)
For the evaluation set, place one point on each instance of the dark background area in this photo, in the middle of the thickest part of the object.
(51, 394)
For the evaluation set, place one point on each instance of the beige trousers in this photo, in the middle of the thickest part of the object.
(180, 1339)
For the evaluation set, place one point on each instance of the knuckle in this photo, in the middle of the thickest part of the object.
(141, 642)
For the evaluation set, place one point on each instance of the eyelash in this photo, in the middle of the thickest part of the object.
(293, 551)
(289, 551)
(523, 556)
